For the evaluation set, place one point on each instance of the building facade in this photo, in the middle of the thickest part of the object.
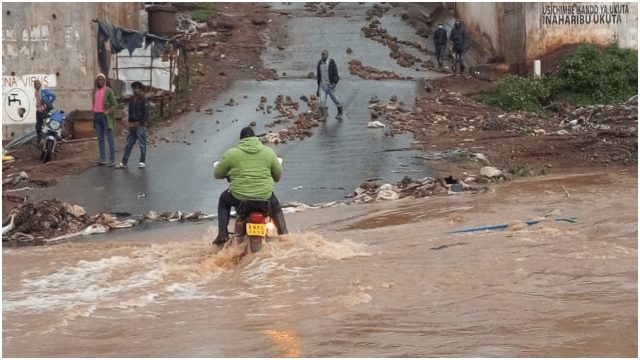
(57, 44)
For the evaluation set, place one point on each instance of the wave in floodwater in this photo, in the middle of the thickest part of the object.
(178, 270)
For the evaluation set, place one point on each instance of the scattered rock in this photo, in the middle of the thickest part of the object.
(349, 51)
(491, 172)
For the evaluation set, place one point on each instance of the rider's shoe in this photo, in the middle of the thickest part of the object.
(221, 239)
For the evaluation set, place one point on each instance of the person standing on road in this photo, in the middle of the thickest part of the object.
(458, 38)
(44, 103)
(327, 77)
(104, 118)
(440, 42)
(138, 117)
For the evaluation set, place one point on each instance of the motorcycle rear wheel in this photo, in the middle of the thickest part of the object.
(255, 243)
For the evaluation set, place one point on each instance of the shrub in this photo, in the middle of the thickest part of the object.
(520, 170)
(516, 93)
(587, 76)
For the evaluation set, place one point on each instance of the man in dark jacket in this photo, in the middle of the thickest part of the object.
(327, 77)
(440, 42)
(138, 117)
(459, 38)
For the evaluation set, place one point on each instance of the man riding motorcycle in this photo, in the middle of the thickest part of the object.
(251, 169)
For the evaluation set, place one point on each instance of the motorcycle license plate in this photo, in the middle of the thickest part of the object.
(256, 229)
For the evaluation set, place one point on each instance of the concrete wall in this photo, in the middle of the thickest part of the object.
(484, 23)
(514, 33)
(522, 32)
(552, 25)
(61, 40)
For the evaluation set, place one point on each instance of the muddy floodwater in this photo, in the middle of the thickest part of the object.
(373, 280)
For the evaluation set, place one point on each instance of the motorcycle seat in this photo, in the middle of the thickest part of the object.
(248, 206)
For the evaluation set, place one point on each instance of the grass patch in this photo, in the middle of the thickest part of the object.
(587, 76)
(520, 170)
(202, 11)
(516, 93)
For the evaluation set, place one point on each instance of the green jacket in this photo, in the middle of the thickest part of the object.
(252, 169)
(110, 102)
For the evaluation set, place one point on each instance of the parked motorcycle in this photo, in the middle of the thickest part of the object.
(253, 222)
(51, 130)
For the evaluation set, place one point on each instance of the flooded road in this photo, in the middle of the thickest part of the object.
(371, 280)
(352, 281)
(325, 167)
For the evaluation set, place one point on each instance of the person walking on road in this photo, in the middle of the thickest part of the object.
(327, 77)
(458, 38)
(104, 118)
(440, 42)
(44, 103)
(138, 117)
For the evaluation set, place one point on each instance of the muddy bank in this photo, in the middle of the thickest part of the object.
(592, 136)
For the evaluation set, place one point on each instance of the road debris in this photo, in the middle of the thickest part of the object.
(516, 225)
(49, 220)
(371, 73)
(14, 179)
(369, 191)
(375, 124)
(289, 112)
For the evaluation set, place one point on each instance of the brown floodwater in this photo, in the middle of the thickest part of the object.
(353, 281)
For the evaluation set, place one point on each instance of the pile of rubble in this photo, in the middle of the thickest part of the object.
(621, 119)
(52, 220)
(320, 10)
(20, 181)
(369, 191)
(395, 113)
(379, 34)
(268, 74)
(371, 73)
(431, 65)
(378, 10)
(289, 111)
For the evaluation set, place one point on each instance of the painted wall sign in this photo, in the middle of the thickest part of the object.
(19, 99)
(564, 14)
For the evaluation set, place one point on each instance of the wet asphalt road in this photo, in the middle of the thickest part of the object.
(326, 167)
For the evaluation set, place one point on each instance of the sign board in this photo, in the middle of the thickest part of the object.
(567, 14)
(19, 98)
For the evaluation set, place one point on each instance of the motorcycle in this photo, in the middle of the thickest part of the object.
(52, 130)
(253, 222)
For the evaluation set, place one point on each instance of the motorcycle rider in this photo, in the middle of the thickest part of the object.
(252, 169)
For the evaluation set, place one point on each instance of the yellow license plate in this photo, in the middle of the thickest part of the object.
(256, 229)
